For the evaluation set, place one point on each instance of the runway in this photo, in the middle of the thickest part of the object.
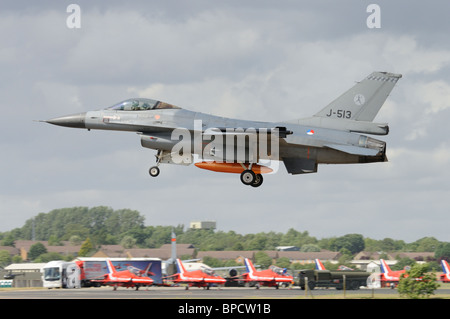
(195, 293)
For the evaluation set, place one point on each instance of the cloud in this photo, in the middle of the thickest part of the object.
(254, 60)
(436, 95)
(411, 57)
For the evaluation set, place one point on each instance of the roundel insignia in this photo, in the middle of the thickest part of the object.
(310, 132)
(359, 99)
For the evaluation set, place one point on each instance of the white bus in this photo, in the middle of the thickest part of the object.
(61, 274)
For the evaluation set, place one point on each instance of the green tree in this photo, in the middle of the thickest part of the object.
(283, 262)
(5, 258)
(54, 241)
(389, 244)
(258, 242)
(262, 259)
(310, 248)
(417, 282)
(128, 242)
(212, 262)
(425, 244)
(402, 263)
(36, 250)
(346, 256)
(8, 240)
(86, 248)
(45, 258)
(353, 242)
(442, 251)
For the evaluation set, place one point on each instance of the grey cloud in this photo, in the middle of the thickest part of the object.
(258, 59)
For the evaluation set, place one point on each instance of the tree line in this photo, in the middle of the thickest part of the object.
(106, 226)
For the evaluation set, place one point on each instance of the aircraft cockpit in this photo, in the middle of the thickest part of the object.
(278, 270)
(141, 104)
(134, 270)
(208, 271)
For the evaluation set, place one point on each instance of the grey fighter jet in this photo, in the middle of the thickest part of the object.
(332, 136)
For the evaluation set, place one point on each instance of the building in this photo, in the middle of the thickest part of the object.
(24, 274)
(202, 225)
(368, 261)
(66, 248)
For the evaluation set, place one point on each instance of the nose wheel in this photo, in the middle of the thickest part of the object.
(154, 171)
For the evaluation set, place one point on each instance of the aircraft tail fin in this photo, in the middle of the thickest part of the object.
(111, 268)
(445, 266)
(385, 269)
(249, 265)
(319, 265)
(363, 101)
(180, 267)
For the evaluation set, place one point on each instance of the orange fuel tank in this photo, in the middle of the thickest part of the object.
(236, 168)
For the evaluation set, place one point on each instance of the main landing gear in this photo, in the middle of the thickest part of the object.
(248, 177)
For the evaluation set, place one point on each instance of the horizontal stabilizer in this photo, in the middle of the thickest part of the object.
(354, 150)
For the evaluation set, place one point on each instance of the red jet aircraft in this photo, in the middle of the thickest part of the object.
(445, 277)
(132, 277)
(270, 277)
(197, 278)
(389, 277)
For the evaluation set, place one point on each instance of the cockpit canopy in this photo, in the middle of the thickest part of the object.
(278, 270)
(141, 104)
(208, 271)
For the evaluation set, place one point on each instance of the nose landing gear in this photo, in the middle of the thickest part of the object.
(154, 171)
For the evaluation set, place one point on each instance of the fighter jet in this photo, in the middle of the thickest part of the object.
(334, 135)
(271, 277)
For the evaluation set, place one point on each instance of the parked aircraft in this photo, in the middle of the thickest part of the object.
(445, 277)
(388, 277)
(334, 135)
(204, 277)
(271, 277)
(131, 277)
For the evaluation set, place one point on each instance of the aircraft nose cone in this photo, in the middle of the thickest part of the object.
(74, 120)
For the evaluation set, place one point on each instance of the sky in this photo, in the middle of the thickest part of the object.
(258, 60)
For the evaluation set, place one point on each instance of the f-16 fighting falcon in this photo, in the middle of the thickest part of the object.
(334, 135)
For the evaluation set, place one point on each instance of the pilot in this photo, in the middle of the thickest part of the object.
(135, 105)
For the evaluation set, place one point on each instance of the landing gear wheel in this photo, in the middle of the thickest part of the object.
(154, 171)
(248, 177)
(258, 180)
